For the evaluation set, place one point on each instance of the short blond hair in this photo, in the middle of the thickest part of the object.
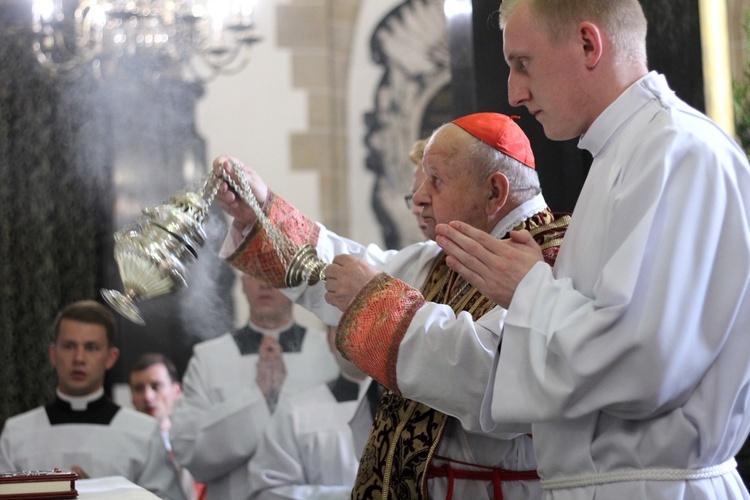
(623, 21)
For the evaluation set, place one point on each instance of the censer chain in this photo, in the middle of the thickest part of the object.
(284, 247)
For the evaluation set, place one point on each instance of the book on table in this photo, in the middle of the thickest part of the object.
(47, 483)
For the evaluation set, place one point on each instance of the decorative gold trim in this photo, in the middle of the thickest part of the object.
(392, 450)
(423, 486)
(557, 223)
(551, 243)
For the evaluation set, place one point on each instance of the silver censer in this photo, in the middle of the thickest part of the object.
(154, 252)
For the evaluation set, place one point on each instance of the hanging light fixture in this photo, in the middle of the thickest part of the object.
(195, 40)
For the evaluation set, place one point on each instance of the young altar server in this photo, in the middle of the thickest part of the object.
(82, 429)
(155, 388)
(308, 449)
(232, 387)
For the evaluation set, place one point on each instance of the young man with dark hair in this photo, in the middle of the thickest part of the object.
(83, 429)
(155, 389)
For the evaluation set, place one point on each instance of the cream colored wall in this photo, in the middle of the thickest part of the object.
(252, 116)
(361, 88)
(284, 114)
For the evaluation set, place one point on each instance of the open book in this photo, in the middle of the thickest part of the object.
(28, 484)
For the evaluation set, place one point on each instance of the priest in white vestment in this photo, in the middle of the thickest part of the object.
(629, 357)
(82, 429)
(308, 450)
(462, 460)
(232, 386)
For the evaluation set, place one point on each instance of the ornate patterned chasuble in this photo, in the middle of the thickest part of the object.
(406, 433)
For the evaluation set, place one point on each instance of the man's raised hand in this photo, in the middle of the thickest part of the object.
(494, 266)
(345, 277)
(228, 199)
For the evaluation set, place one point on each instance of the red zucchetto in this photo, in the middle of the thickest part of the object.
(501, 132)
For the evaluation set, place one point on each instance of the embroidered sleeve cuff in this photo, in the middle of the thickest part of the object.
(372, 327)
(256, 255)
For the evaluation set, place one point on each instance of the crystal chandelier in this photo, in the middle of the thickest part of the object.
(195, 40)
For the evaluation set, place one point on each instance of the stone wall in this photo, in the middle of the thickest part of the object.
(319, 34)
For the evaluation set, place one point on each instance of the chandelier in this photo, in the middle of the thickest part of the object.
(195, 40)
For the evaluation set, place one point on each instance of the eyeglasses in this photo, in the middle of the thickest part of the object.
(409, 201)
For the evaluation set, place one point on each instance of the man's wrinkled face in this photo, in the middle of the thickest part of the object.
(81, 355)
(451, 190)
(417, 209)
(153, 391)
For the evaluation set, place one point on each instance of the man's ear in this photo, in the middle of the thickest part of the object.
(499, 187)
(112, 356)
(590, 37)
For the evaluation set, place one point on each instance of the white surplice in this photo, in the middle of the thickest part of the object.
(130, 446)
(222, 414)
(308, 449)
(633, 354)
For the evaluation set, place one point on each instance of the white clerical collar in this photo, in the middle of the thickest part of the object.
(273, 332)
(518, 215)
(81, 403)
(650, 87)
